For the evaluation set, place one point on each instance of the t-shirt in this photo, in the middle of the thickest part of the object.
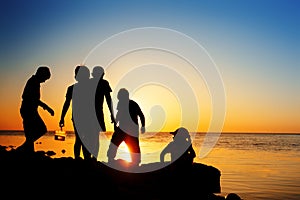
(127, 116)
(31, 94)
(103, 88)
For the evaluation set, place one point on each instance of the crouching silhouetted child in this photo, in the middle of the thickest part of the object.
(180, 149)
(179, 172)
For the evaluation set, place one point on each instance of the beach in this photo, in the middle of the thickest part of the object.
(255, 166)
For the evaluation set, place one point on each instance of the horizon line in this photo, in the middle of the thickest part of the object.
(201, 132)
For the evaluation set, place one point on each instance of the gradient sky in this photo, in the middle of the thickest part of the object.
(255, 45)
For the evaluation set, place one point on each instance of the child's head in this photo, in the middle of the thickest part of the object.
(98, 72)
(43, 73)
(82, 73)
(123, 94)
(181, 134)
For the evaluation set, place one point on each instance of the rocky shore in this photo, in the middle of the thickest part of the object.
(39, 174)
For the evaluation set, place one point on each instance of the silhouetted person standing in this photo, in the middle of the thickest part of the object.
(34, 126)
(103, 90)
(127, 127)
(82, 76)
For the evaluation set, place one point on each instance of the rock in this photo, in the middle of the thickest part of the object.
(38, 173)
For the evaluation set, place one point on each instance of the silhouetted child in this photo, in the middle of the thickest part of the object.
(180, 149)
(82, 75)
(102, 92)
(34, 126)
(127, 127)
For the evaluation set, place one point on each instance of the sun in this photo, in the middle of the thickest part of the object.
(123, 152)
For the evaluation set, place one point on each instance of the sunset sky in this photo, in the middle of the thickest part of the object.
(254, 47)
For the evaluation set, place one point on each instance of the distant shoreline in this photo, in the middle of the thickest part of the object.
(17, 132)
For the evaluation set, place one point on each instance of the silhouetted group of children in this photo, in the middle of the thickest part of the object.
(87, 96)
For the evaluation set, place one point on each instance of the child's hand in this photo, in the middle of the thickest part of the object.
(61, 123)
(143, 130)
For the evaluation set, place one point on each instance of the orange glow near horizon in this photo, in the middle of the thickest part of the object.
(235, 121)
(161, 105)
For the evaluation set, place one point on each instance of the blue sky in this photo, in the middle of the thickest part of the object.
(255, 45)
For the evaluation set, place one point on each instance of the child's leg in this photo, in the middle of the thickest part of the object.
(116, 139)
(134, 148)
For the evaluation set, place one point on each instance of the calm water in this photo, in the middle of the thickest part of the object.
(255, 166)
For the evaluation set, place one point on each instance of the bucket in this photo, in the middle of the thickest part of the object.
(60, 135)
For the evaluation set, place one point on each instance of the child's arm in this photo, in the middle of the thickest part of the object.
(142, 119)
(65, 107)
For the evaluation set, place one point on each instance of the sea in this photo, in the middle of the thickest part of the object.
(256, 166)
